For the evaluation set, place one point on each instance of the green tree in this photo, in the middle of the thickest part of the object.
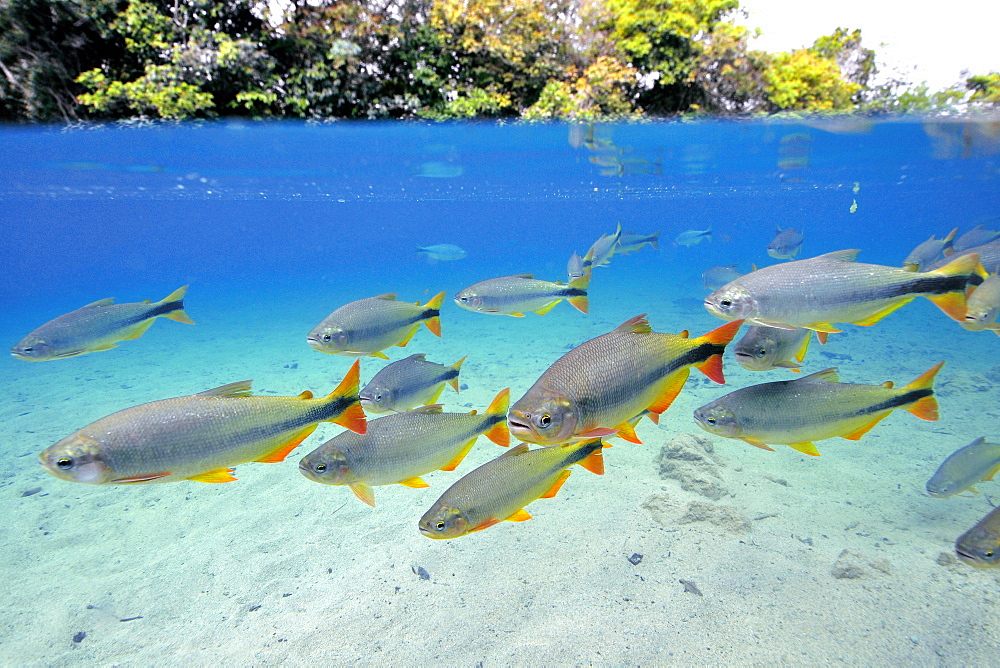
(985, 89)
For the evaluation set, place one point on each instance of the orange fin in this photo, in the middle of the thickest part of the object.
(721, 336)
(627, 432)
(858, 433)
(353, 418)
(520, 516)
(305, 394)
(216, 475)
(712, 367)
(499, 433)
(486, 524)
(758, 444)
(598, 432)
(822, 327)
(925, 381)
(363, 492)
(953, 304)
(822, 337)
(594, 462)
(655, 417)
(453, 464)
(805, 448)
(143, 478)
(963, 265)
(801, 354)
(580, 302)
(878, 315)
(379, 354)
(560, 479)
(670, 391)
(434, 324)
(279, 454)
(416, 482)
(925, 409)
(456, 366)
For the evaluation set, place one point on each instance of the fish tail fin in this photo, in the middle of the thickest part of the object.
(708, 233)
(593, 460)
(655, 239)
(434, 322)
(353, 417)
(720, 336)
(948, 240)
(176, 299)
(456, 366)
(499, 433)
(963, 265)
(925, 408)
(954, 303)
(580, 302)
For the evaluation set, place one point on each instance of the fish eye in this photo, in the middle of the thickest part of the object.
(320, 468)
(988, 554)
(64, 463)
(545, 420)
(326, 338)
(710, 420)
(726, 303)
(28, 349)
(463, 299)
(439, 525)
(761, 352)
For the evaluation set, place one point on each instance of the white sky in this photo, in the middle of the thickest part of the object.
(915, 40)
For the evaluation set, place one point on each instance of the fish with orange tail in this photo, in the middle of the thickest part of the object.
(366, 327)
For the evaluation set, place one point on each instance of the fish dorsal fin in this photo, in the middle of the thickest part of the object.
(824, 376)
(416, 357)
(388, 296)
(518, 449)
(521, 276)
(432, 408)
(636, 325)
(240, 388)
(102, 302)
(849, 255)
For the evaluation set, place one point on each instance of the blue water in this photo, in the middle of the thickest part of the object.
(275, 225)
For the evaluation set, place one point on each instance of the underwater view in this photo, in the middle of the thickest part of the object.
(658, 393)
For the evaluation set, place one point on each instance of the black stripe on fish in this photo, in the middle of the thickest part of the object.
(427, 314)
(582, 453)
(896, 402)
(162, 309)
(934, 285)
(313, 415)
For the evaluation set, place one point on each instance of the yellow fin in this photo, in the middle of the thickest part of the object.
(453, 464)
(805, 448)
(520, 516)
(953, 304)
(437, 395)
(416, 482)
(380, 355)
(363, 492)
(216, 475)
(858, 433)
(179, 316)
(757, 444)
(627, 432)
(139, 330)
(406, 339)
(801, 354)
(456, 366)
(824, 327)
(636, 325)
(107, 301)
(305, 394)
(279, 454)
(240, 388)
(548, 307)
(516, 315)
(670, 392)
(875, 317)
(560, 479)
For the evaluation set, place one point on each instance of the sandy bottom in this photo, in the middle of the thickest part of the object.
(741, 555)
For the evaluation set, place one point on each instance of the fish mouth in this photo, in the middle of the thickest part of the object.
(968, 558)
(518, 427)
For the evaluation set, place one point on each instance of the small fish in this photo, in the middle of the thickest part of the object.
(977, 236)
(199, 437)
(442, 252)
(924, 254)
(988, 254)
(596, 388)
(600, 253)
(630, 242)
(765, 348)
(818, 292)
(717, 276)
(575, 268)
(983, 306)
(408, 383)
(369, 326)
(400, 448)
(964, 468)
(98, 326)
(513, 295)
(980, 545)
(786, 244)
(501, 488)
(814, 407)
(693, 237)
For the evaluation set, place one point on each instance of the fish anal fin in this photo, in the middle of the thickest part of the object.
(279, 454)
(139, 330)
(878, 315)
(858, 433)
(953, 304)
(378, 354)
(548, 307)
(409, 335)
(805, 448)
(627, 432)
(415, 482)
(823, 327)
(560, 479)
(453, 464)
(801, 354)
(520, 516)
(670, 391)
(215, 475)
(757, 444)
(364, 492)
(141, 478)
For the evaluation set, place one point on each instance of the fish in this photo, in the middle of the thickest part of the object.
(442, 252)
(366, 327)
(798, 412)
(597, 387)
(786, 243)
(693, 237)
(402, 447)
(98, 326)
(818, 292)
(929, 251)
(964, 468)
(977, 236)
(983, 306)
(715, 277)
(601, 251)
(764, 348)
(513, 295)
(630, 242)
(501, 488)
(575, 268)
(988, 254)
(199, 437)
(980, 545)
(408, 383)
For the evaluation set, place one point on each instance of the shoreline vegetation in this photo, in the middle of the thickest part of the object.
(574, 60)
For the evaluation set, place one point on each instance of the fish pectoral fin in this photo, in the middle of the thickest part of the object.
(240, 388)
(599, 432)
(627, 432)
(757, 444)
(824, 327)
(858, 433)
(279, 453)
(801, 354)
(560, 479)
(415, 482)
(363, 492)
(485, 524)
(215, 475)
(670, 391)
(141, 478)
(878, 315)
(138, 330)
(548, 307)
(789, 365)
(406, 339)
(822, 337)
(520, 516)
(453, 464)
(805, 448)
(516, 315)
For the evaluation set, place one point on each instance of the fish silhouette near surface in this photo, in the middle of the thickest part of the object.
(98, 326)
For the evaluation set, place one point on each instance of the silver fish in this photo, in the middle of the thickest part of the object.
(693, 237)
(926, 253)
(983, 306)
(786, 244)
(977, 236)
(442, 252)
(715, 277)
(602, 250)
(575, 268)
(988, 254)
(408, 383)
(964, 468)
(764, 348)
(630, 242)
